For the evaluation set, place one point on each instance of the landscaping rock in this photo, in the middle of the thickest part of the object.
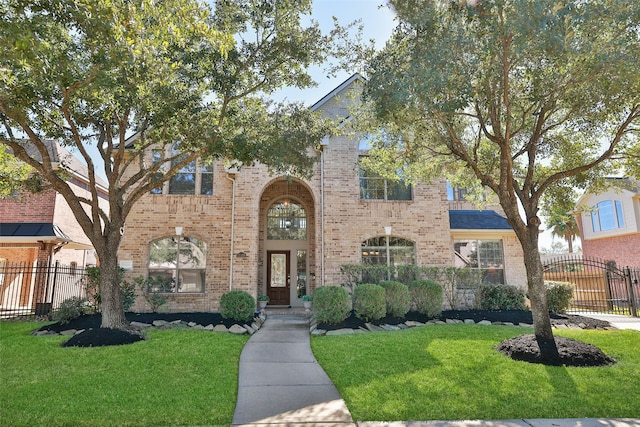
(237, 330)
(343, 331)
(69, 332)
(160, 323)
(484, 322)
(140, 325)
(469, 322)
(220, 328)
(249, 329)
(320, 332)
(209, 327)
(372, 327)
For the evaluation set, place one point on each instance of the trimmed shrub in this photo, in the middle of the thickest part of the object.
(331, 304)
(237, 305)
(427, 295)
(70, 309)
(500, 297)
(369, 302)
(559, 296)
(397, 297)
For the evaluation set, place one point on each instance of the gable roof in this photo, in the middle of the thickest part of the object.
(337, 90)
(618, 184)
(477, 220)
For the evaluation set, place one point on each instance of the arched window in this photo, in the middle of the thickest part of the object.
(607, 215)
(286, 220)
(401, 251)
(178, 263)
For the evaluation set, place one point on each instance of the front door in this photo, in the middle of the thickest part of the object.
(279, 277)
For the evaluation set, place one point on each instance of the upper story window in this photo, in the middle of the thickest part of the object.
(455, 193)
(375, 187)
(286, 220)
(195, 177)
(484, 255)
(607, 215)
(177, 264)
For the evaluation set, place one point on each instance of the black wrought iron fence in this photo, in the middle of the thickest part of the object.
(599, 286)
(35, 290)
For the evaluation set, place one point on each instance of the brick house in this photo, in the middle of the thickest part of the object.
(39, 230)
(609, 223)
(284, 236)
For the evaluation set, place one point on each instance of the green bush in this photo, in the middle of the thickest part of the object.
(500, 297)
(427, 295)
(369, 302)
(70, 309)
(398, 299)
(559, 296)
(237, 305)
(331, 304)
(153, 290)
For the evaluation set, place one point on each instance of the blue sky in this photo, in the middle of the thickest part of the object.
(378, 23)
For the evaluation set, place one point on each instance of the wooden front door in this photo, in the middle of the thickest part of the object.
(279, 277)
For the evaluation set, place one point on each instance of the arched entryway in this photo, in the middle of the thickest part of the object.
(287, 232)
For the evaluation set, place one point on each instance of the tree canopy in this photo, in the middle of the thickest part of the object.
(516, 95)
(94, 73)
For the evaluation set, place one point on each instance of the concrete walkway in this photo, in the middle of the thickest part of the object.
(280, 381)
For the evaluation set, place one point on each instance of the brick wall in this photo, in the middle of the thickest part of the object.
(27, 207)
(624, 250)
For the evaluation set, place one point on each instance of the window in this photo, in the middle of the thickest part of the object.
(375, 187)
(286, 220)
(401, 251)
(455, 193)
(484, 255)
(607, 215)
(196, 177)
(178, 264)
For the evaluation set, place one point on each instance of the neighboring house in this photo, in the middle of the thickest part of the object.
(41, 227)
(610, 223)
(285, 236)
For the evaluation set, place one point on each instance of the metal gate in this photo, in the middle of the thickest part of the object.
(599, 286)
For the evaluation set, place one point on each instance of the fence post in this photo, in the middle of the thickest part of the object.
(632, 298)
(55, 281)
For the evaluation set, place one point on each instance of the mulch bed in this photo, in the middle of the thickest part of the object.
(524, 347)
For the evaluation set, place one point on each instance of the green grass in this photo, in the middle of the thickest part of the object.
(172, 378)
(443, 372)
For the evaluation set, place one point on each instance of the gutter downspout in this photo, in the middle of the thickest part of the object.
(233, 216)
(322, 267)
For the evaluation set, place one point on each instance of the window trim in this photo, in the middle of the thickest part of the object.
(616, 213)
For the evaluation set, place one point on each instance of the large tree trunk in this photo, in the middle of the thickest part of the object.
(111, 295)
(539, 306)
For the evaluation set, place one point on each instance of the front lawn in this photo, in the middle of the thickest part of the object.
(172, 378)
(444, 372)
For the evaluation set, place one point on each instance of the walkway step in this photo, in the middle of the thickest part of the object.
(280, 381)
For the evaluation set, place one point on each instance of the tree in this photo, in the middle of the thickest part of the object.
(518, 95)
(91, 74)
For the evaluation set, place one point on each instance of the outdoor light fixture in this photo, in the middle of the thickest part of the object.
(387, 230)
(178, 231)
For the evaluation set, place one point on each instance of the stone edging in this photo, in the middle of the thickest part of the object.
(236, 329)
(370, 327)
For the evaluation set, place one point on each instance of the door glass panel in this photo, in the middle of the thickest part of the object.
(278, 270)
(302, 273)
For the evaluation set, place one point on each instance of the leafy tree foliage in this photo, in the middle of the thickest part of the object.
(90, 74)
(516, 95)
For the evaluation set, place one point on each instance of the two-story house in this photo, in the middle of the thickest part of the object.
(609, 223)
(283, 236)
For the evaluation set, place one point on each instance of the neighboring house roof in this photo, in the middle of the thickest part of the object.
(334, 92)
(620, 183)
(32, 232)
(64, 158)
(477, 220)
